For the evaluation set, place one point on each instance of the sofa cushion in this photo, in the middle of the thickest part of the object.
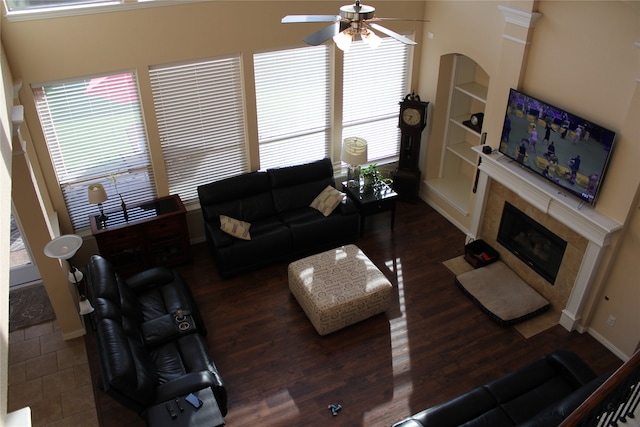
(294, 187)
(327, 200)
(246, 197)
(474, 408)
(235, 227)
(125, 364)
(270, 240)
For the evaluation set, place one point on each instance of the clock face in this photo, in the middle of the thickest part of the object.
(411, 116)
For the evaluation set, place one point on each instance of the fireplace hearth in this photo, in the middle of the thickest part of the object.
(531, 242)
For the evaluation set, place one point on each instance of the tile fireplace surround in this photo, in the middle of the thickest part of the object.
(586, 231)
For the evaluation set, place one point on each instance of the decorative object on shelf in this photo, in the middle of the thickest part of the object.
(353, 21)
(65, 247)
(97, 196)
(475, 122)
(412, 121)
(354, 153)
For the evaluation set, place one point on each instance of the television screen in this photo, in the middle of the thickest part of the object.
(565, 149)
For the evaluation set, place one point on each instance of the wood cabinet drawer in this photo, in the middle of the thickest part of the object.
(134, 246)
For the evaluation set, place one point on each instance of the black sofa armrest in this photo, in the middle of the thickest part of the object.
(574, 369)
(184, 385)
(166, 328)
(553, 415)
(219, 238)
(192, 382)
(348, 207)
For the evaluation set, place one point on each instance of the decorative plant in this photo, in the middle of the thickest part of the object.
(371, 175)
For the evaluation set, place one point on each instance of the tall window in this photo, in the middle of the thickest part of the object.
(292, 97)
(199, 108)
(375, 81)
(44, 4)
(95, 134)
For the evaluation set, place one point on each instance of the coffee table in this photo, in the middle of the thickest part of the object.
(338, 288)
(372, 201)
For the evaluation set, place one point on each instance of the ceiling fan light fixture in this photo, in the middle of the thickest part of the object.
(371, 38)
(343, 40)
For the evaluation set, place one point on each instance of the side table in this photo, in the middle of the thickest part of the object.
(207, 416)
(372, 201)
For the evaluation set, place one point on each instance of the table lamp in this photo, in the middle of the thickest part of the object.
(65, 247)
(98, 195)
(354, 154)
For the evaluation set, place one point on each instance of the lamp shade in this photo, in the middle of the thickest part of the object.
(63, 247)
(354, 151)
(343, 40)
(85, 306)
(75, 275)
(97, 194)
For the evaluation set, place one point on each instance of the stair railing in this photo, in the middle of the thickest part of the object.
(613, 402)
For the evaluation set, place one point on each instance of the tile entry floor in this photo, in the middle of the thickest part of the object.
(51, 376)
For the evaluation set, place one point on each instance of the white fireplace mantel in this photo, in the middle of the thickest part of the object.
(594, 226)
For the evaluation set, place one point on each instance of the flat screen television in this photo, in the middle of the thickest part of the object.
(566, 149)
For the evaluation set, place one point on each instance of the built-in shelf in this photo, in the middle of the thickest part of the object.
(465, 151)
(454, 190)
(454, 184)
(474, 90)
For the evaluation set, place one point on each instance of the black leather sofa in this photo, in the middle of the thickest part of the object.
(146, 354)
(540, 394)
(283, 225)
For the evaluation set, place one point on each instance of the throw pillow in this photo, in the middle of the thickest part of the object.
(234, 227)
(327, 200)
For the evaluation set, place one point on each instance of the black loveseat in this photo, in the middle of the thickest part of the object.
(283, 226)
(540, 394)
(149, 337)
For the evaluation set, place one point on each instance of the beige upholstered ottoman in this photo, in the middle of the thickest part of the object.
(338, 288)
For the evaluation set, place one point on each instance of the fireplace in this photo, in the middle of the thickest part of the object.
(531, 242)
(588, 232)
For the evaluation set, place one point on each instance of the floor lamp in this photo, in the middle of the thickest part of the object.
(65, 247)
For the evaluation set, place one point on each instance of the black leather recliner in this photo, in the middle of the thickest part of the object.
(540, 394)
(146, 354)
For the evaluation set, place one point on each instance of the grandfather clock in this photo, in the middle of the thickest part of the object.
(412, 121)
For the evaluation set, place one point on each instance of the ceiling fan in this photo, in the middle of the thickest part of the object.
(354, 19)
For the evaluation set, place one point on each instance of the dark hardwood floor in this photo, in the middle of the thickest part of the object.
(432, 345)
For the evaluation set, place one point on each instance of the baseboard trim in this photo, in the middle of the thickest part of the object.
(602, 340)
(74, 334)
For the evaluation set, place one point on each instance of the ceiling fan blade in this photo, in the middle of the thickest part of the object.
(376, 19)
(294, 19)
(325, 34)
(393, 34)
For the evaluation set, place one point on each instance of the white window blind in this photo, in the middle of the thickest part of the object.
(375, 81)
(292, 97)
(199, 108)
(95, 134)
(13, 5)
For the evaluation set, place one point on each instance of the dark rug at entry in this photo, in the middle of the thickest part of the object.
(29, 306)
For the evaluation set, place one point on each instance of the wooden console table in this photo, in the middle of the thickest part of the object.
(152, 233)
